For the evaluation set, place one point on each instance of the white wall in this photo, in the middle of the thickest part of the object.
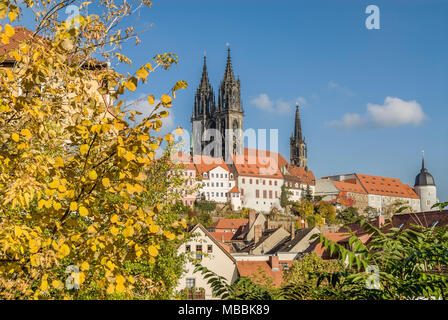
(217, 184)
(249, 198)
(428, 197)
(217, 261)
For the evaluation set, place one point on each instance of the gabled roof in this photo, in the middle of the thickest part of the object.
(205, 164)
(222, 236)
(386, 186)
(299, 174)
(255, 270)
(228, 223)
(287, 244)
(259, 163)
(234, 190)
(225, 249)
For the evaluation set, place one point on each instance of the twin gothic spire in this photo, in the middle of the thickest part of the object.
(229, 96)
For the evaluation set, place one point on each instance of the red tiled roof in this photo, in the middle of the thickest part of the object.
(205, 164)
(229, 223)
(349, 187)
(21, 34)
(234, 190)
(256, 270)
(259, 163)
(222, 236)
(333, 236)
(304, 176)
(391, 187)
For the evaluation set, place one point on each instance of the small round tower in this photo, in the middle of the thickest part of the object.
(425, 188)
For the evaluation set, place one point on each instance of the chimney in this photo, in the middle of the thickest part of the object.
(381, 220)
(268, 224)
(257, 233)
(251, 218)
(273, 262)
(293, 230)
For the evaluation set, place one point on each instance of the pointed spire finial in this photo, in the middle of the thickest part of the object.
(423, 160)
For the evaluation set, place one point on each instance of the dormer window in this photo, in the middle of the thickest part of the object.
(205, 174)
(231, 176)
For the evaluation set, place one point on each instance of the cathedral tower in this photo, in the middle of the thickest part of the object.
(204, 109)
(297, 144)
(229, 114)
(226, 117)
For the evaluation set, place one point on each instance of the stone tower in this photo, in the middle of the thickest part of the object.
(297, 144)
(425, 188)
(204, 109)
(226, 117)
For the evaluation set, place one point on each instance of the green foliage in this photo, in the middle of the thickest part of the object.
(205, 219)
(284, 196)
(326, 210)
(349, 215)
(204, 205)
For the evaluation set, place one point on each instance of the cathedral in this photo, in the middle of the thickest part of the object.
(218, 126)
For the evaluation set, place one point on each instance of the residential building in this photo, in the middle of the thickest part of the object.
(210, 253)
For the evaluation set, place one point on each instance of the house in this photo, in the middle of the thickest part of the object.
(362, 191)
(259, 178)
(298, 180)
(210, 253)
(217, 180)
(265, 270)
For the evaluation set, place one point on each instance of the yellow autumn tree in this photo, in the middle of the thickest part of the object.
(74, 162)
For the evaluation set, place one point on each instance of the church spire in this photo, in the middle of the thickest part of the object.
(228, 74)
(205, 83)
(297, 125)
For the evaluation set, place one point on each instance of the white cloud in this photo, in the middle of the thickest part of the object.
(348, 121)
(142, 105)
(394, 112)
(280, 106)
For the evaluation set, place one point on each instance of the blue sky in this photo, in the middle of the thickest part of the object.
(373, 99)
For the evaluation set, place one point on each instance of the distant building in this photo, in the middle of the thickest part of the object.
(426, 189)
(362, 191)
(211, 254)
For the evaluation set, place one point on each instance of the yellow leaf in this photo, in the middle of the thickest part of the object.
(64, 250)
(142, 73)
(57, 284)
(153, 252)
(85, 266)
(114, 218)
(44, 285)
(4, 38)
(131, 85)
(110, 289)
(9, 31)
(57, 205)
(120, 288)
(166, 99)
(106, 182)
(12, 15)
(93, 175)
(151, 99)
(83, 149)
(26, 133)
(73, 206)
(83, 211)
(120, 279)
(154, 228)
(128, 231)
(114, 230)
(15, 137)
